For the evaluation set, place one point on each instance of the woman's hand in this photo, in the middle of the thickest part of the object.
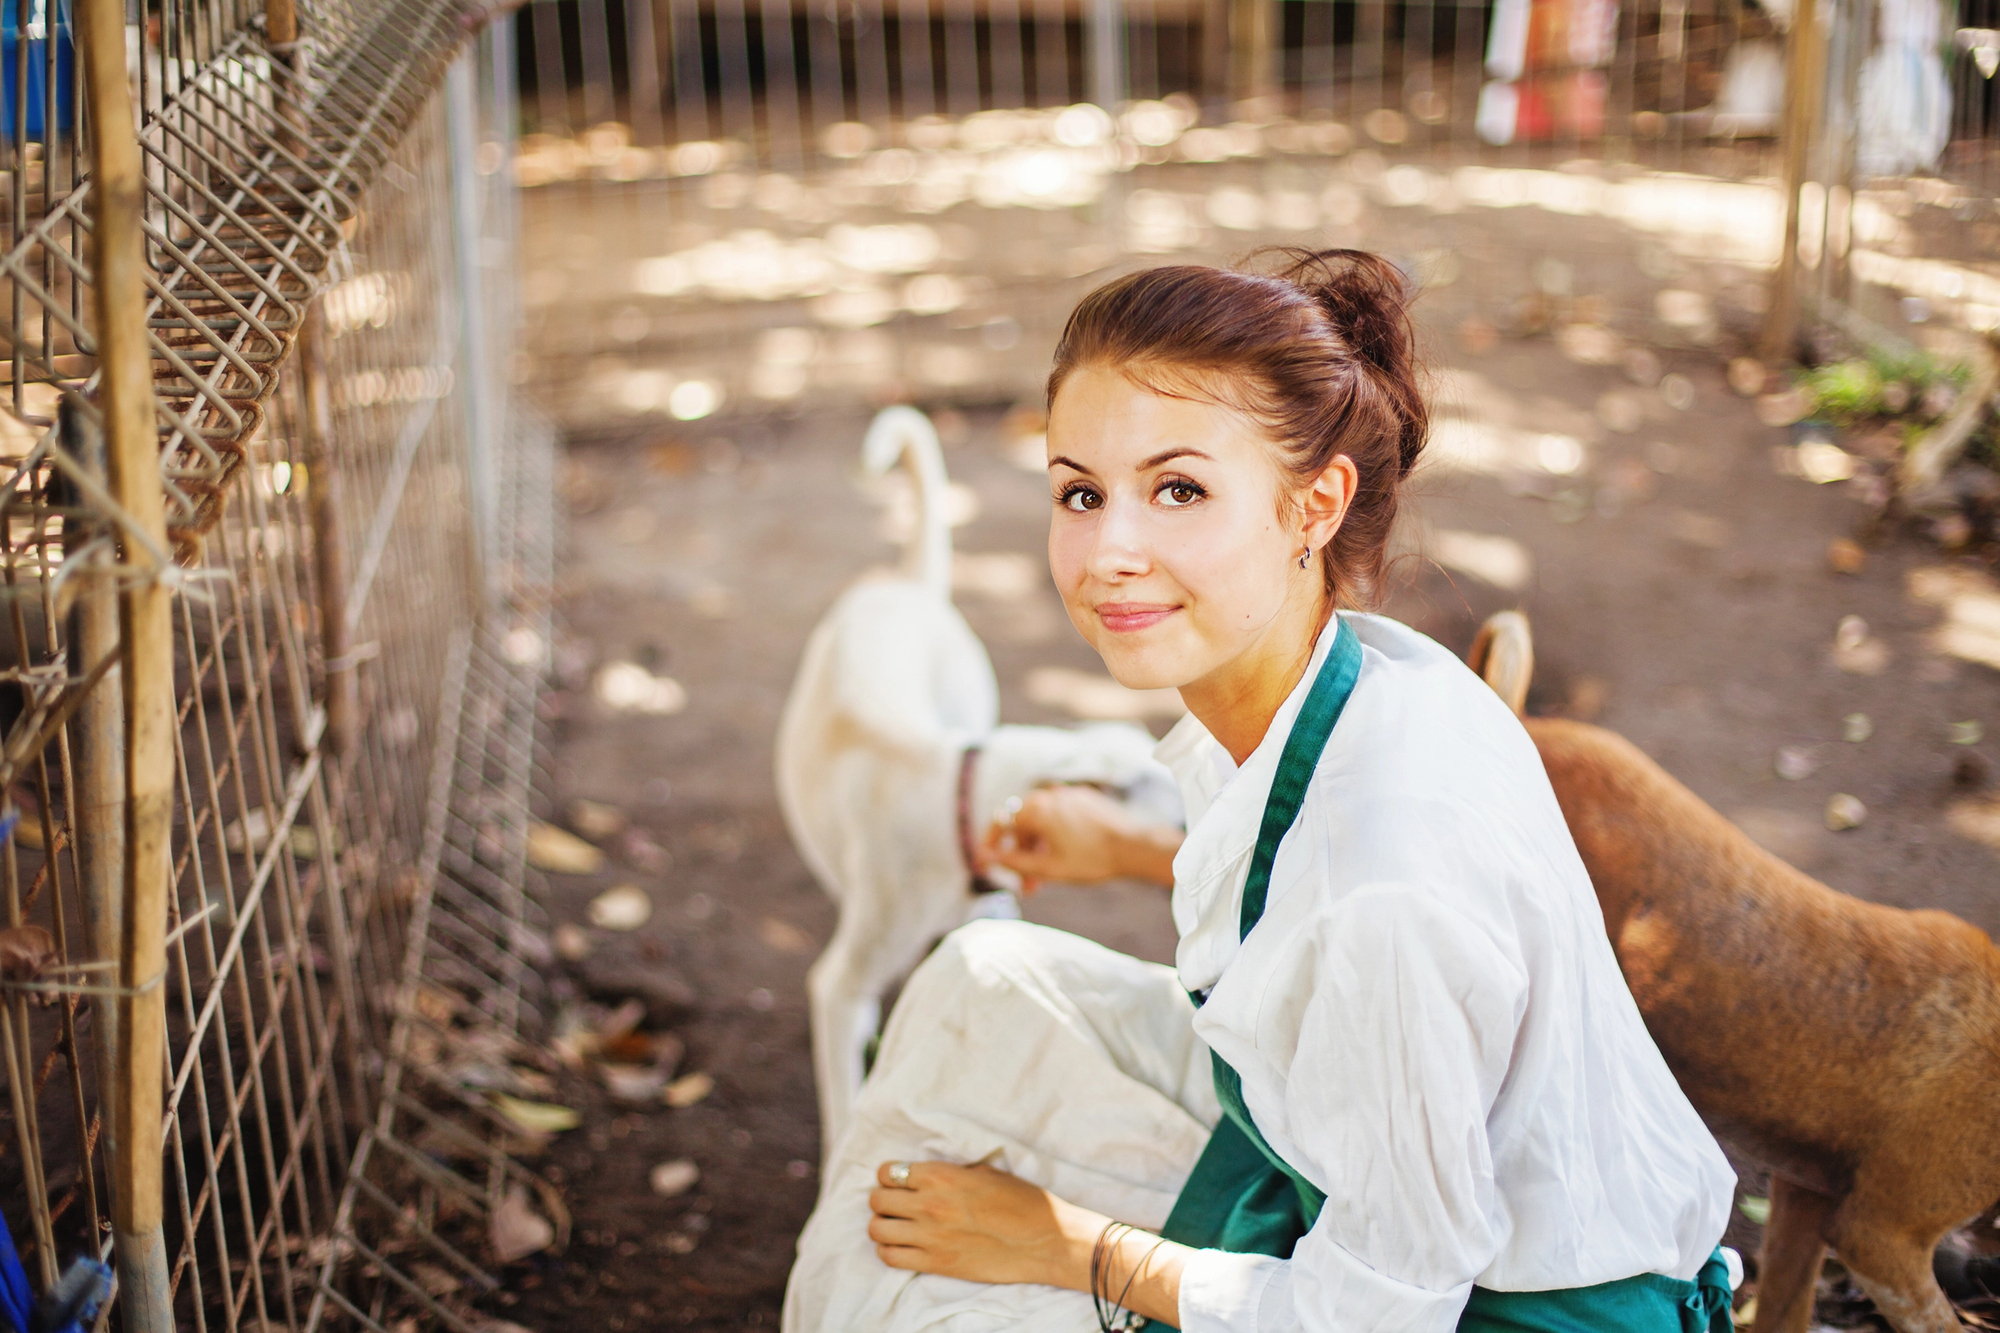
(983, 1225)
(976, 1223)
(1078, 835)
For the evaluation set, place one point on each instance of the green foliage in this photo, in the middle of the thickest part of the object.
(1881, 384)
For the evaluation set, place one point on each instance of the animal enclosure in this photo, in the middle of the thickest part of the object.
(356, 544)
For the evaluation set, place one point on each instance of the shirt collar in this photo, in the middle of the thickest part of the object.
(1225, 808)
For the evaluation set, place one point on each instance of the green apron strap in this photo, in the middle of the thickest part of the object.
(1303, 747)
(1242, 1196)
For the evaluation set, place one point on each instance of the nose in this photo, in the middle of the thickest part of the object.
(1119, 549)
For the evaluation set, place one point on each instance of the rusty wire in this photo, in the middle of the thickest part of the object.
(333, 862)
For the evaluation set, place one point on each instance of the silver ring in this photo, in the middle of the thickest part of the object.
(899, 1175)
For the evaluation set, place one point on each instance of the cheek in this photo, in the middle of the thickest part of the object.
(1232, 559)
(1069, 551)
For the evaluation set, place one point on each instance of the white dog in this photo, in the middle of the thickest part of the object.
(890, 765)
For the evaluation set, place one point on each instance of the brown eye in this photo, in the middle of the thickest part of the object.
(1082, 500)
(1178, 493)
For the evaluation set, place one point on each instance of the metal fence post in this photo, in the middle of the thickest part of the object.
(323, 488)
(1107, 54)
(125, 380)
(474, 373)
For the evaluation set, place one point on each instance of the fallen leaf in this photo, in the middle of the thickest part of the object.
(686, 1091)
(1844, 812)
(672, 1179)
(643, 1048)
(625, 907)
(1844, 555)
(630, 688)
(536, 1117)
(618, 1022)
(1795, 762)
(561, 852)
(1856, 651)
(783, 936)
(1978, 821)
(436, 1281)
(637, 1084)
(570, 943)
(595, 820)
(516, 1229)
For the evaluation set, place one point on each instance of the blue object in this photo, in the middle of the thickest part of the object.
(72, 1304)
(17, 1302)
(37, 83)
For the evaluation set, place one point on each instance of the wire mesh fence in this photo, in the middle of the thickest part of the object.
(359, 549)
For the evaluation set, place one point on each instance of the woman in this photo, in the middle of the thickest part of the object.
(1395, 1079)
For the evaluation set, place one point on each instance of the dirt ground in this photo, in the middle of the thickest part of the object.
(1680, 590)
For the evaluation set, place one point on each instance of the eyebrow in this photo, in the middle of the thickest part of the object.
(1146, 466)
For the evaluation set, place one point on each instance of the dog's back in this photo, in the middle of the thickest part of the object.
(892, 682)
(1754, 976)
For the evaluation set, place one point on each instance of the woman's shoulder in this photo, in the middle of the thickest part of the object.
(1418, 709)
(1430, 781)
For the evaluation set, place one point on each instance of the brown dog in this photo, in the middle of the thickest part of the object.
(1852, 1049)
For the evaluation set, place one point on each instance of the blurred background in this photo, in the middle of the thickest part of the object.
(1706, 294)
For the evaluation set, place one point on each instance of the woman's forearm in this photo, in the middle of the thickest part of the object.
(1146, 851)
(1144, 1275)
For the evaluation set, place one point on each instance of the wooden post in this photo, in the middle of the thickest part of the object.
(281, 23)
(132, 458)
(329, 539)
(1251, 48)
(97, 756)
(1805, 67)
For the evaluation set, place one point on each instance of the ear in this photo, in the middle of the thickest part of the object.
(1323, 503)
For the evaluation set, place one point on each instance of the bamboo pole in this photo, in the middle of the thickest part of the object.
(132, 458)
(329, 538)
(98, 764)
(1805, 65)
(281, 23)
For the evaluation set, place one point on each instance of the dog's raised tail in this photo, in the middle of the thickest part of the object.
(1503, 655)
(903, 434)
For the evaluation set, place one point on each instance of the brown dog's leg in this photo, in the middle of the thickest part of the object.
(1788, 1264)
(1894, 1270)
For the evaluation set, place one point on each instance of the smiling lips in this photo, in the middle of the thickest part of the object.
(1129, 617)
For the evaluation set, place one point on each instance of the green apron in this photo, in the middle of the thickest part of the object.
(1243, 1197)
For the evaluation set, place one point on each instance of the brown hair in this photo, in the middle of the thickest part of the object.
(1320, 353)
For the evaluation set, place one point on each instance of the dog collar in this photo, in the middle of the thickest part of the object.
(968, 846)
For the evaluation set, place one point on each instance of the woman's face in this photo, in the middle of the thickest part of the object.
(1167, 543)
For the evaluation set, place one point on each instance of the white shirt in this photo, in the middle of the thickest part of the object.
(1429, 1021)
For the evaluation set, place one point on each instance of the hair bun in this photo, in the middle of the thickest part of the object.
(1315, 347)
(1367, 300)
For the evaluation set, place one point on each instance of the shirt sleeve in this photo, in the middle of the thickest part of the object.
(1406, 1014)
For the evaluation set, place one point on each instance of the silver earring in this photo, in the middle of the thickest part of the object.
(1304, 556)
